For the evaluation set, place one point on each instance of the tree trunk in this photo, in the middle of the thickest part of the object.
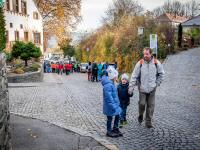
(26, 62)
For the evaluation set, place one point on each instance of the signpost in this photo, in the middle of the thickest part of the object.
(140, 30)
(154, 43)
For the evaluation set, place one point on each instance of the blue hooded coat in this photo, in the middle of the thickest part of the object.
(111, 104)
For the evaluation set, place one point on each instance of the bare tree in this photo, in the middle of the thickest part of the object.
(167, 7)
(192, 8)
(177, 8)
(189, 9)
(158, 11)
(121, 8)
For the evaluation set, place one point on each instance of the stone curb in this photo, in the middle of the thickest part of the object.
(108, 145)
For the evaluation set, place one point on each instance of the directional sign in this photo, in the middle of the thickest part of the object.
(154, 43)
(140, 30)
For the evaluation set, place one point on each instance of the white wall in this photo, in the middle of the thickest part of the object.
(29, 24)
(33, 24)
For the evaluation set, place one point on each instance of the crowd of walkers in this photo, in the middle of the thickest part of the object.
(60, 67)
(94, 70)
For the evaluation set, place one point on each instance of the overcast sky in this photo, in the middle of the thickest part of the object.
(93, 10)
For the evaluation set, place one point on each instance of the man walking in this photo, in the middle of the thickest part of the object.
(148, 74)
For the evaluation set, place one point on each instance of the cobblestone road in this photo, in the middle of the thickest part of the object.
(75, 102)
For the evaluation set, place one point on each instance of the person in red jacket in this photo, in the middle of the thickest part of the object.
(60, 67)
(67, 68)
(71, 67)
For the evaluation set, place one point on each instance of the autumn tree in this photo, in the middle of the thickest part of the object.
(59, 16)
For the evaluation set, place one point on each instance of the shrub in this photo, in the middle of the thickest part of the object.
(35, 66)
(19, 71)
(32, 68)
(18, 63)
(25, 51)
(9, 57)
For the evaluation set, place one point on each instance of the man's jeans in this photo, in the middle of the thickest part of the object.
(109, 123)
(147, 100)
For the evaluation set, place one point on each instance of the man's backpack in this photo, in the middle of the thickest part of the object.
(155, 62)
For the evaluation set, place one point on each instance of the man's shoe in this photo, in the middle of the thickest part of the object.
(140, 119)
(149, 126)
(112, 134)
(116, 130)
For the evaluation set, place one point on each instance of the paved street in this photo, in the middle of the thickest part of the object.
(34, 134)
(72, 101)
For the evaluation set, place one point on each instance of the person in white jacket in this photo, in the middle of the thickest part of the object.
(147, 74)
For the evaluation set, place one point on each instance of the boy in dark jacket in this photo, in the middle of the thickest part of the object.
(124, 98)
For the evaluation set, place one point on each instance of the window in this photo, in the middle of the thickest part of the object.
(16, 35)
(7, 37)
(15, 6)
(11, 25)
(26, 36)
(35, 15)
(21, 26)
(37, 39)
(23, 5)
(8, 4)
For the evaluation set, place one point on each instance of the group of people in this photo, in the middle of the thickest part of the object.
(60, 67)
(147, 75)
(95, 72)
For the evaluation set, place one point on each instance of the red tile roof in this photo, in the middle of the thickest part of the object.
(172, 18)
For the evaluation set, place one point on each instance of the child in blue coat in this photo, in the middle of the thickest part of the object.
(111, 104)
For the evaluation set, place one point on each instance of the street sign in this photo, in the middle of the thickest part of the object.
(140, 30)
(154, 43)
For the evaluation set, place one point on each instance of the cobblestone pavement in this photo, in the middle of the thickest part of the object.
(72, 101)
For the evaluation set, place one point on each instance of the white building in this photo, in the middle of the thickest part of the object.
(23, 22)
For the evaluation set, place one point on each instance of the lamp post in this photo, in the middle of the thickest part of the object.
(169, 48)
(88, 54)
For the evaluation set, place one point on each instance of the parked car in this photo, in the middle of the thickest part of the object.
(83, 67)
(54, 59)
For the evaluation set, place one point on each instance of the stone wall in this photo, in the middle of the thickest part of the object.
(27, 77)
(4, 107)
